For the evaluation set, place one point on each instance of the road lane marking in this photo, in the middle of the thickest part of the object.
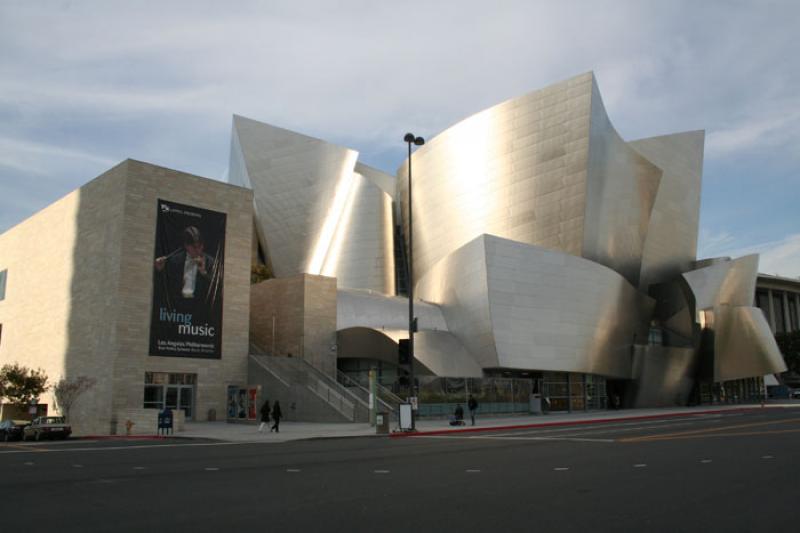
(767, 457)
(293, 470)
(555, 439)
(561, 468)
(705, 461)
(381, 471)
(29, 463)
(77, 466)
(709, 436)
(473, 471)
(138, 468)
(211, 469)
(132, 447)
(640, 465)
(704, 432)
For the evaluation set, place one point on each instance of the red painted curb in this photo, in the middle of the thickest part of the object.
(568, 423)
(119, 437)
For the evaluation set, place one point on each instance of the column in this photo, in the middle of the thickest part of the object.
(771, 311)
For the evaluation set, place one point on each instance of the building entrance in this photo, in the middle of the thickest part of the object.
(180, 397)
(176, 391)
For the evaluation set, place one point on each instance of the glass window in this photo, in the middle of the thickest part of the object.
(153, 396)
(3, 276)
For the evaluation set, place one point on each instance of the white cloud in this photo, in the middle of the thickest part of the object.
(40, 158)
(159, 81)
(779, 258)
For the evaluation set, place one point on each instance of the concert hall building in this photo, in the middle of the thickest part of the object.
(546, 248)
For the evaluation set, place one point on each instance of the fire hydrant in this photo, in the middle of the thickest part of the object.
(128, 425)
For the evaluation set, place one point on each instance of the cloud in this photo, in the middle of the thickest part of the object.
(110, 80)
(779, 258)
(40, 158)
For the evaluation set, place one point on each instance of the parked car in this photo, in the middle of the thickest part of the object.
(12, 429)
(47, 427)
(795, 394)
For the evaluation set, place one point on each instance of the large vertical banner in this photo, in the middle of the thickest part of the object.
(186, 318)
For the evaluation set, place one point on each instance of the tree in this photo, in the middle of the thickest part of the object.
(67, 391)
(259, 273)
(22, 386)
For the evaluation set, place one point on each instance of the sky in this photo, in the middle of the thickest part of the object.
(87, 84)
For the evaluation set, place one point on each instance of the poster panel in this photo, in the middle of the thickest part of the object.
(188, 264)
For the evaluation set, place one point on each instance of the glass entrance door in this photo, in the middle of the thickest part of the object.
(180, 397)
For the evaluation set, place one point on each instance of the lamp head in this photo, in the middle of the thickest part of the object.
(409, 138)
(419, 141)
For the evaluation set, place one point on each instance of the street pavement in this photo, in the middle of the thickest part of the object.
(731, 471)
(291, 431)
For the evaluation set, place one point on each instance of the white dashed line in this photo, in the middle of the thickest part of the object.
(29, 463)
(767, 457)
(77, 466)
(381, 471)
(473, 471)
(705, 461)
(640, 465)
(560, 468)
(293, 470)
(211, 469)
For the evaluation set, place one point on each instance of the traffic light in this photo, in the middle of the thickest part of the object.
(404, 357)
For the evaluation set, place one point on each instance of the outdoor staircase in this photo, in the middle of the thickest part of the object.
(306, 394)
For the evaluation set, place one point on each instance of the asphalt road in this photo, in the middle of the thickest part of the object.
(732, 472)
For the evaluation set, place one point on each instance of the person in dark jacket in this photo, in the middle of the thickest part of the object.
(276, 416)
(458, 417)
(265, 410)
(472, 403)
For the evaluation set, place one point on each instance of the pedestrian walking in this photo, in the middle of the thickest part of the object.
(276, 416)
(265, 410)
(472, 403)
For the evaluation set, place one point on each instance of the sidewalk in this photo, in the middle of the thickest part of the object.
(291, 431)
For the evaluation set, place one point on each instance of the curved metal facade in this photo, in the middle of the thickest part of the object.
(315, 213)
(519, 306)
(542, 241)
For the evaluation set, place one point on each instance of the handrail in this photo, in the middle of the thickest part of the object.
(383, 396)
(270, 370)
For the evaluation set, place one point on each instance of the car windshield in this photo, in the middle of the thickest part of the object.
(53, 420)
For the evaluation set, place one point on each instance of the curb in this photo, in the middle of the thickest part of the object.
(119, 437)
(484, 429)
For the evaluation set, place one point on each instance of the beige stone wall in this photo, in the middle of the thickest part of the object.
(147, 184)
(319, 323)
(80, 283)
(60, 306)
(304, 312)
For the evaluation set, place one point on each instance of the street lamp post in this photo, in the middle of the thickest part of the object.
(410, 139)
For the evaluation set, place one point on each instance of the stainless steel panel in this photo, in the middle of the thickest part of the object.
(356, 308)
(743, 344)
(314, 213)
(362, 252)
(671, 243)
(664, 375)
(729, 282)
(621, 188)
(437, 353)
(521, 306)
(516, 170)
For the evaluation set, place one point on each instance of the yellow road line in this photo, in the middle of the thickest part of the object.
(706, 431)
(23, 447)
(742, 434)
